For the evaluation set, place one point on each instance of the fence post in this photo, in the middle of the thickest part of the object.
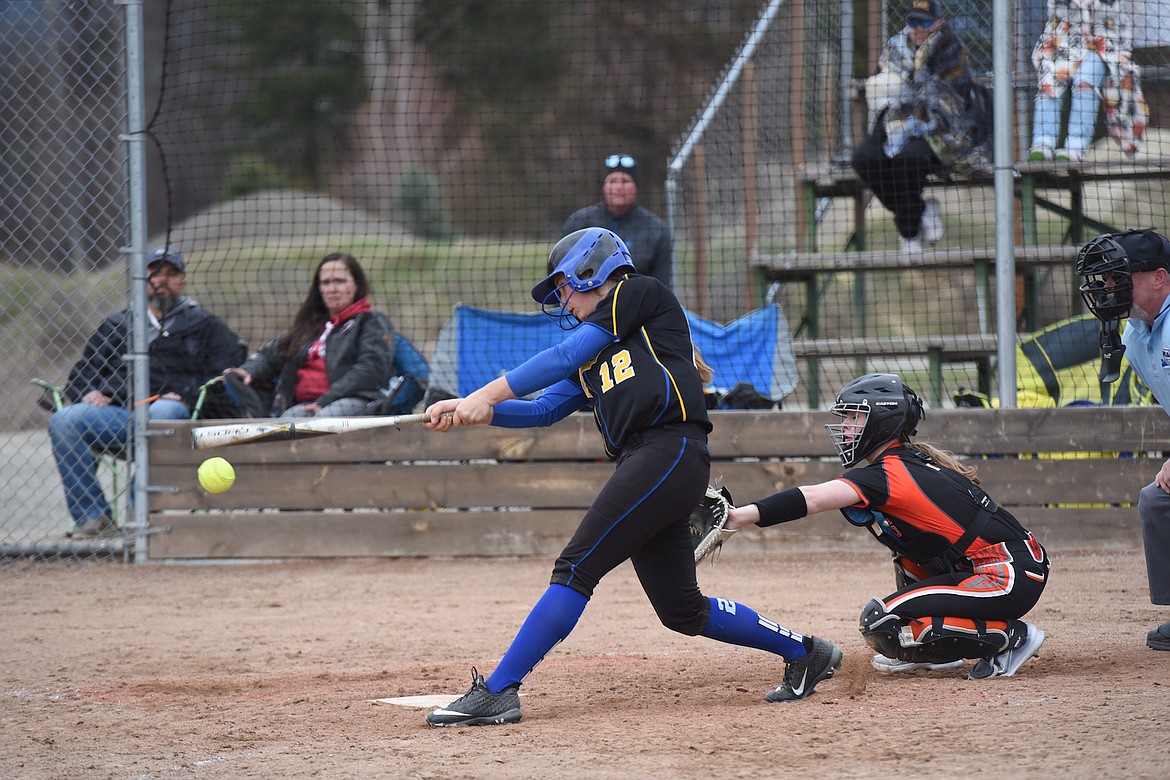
(699, 187)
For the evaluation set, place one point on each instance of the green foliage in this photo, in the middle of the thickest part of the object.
(492, 52)
(14, 298)
(420, 207)
(251, 172)
(301, 64)
(507, 66)
(57, 311)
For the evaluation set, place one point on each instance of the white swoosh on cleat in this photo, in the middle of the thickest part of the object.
(799, 690)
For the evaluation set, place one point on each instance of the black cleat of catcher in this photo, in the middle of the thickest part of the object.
(479, 706)
(802, 675)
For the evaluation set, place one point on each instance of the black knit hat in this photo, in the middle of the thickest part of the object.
(622, 163)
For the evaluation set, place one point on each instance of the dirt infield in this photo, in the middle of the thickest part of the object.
(268, 670)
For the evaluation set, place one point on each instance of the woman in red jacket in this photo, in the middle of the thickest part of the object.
(335, 357)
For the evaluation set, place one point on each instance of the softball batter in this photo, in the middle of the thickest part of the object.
(631, 361)
(967, 570)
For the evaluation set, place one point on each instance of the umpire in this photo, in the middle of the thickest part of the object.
(1128, 275)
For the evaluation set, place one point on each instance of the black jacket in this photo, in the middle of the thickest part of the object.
(192, 346)
(359, 360)
(644, 234)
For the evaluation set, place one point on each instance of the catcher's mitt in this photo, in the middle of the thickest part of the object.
(708, 520)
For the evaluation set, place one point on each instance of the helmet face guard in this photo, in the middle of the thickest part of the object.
(847, 436)
(1107, 265)
(582, 261)
(1107, 288)
(876, 408)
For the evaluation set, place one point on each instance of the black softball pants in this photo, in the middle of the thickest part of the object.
(641, 515)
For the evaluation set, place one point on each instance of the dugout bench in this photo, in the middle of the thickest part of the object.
(499, 492)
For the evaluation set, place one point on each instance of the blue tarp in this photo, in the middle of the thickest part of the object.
(476, 346)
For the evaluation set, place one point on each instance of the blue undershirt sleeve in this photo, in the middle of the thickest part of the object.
(559, 362)
(556, 403)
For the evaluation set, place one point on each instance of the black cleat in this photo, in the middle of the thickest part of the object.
(802, 675)
(479, 706)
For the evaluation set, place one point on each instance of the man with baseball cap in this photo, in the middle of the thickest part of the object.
(187, 346)
(169, 254)
(644, 234)
(924, 11)
(1128, 275)
(928, 115)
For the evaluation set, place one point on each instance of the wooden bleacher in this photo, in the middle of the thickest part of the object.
(938, 349)
(834, 181)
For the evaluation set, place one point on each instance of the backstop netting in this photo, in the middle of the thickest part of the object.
(444, 144)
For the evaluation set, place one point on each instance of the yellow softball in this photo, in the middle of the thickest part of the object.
(216, 475)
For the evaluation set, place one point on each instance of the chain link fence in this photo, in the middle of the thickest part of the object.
(443, 144)
(64, 215)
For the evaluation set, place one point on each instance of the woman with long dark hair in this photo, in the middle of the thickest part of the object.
(335, 356)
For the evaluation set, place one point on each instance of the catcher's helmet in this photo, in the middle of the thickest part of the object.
(586, 258)
(892, 411)
(1107, 264)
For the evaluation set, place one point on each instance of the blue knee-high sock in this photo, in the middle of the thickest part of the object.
(546, 626)
(738, 624)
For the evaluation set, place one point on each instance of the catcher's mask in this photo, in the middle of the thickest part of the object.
(884, 409)
(1108, 263)
(581, 261)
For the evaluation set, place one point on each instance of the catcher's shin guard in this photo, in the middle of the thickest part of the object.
(934, 640)
(944, 639)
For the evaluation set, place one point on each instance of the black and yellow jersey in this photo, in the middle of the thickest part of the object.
(647, 378)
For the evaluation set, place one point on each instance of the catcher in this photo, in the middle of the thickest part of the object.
(966, 570)
(629, 359)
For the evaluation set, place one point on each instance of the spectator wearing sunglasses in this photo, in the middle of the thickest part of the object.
(927, 115)
(644, 233)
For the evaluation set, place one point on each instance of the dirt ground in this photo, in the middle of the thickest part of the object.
(269, 670)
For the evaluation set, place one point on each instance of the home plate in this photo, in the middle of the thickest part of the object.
(420, 702)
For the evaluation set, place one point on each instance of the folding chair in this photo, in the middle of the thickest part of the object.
(408, 385)
(114, 460)
(752, 357)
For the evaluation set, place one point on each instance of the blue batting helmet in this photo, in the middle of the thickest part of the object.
(586, 258)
